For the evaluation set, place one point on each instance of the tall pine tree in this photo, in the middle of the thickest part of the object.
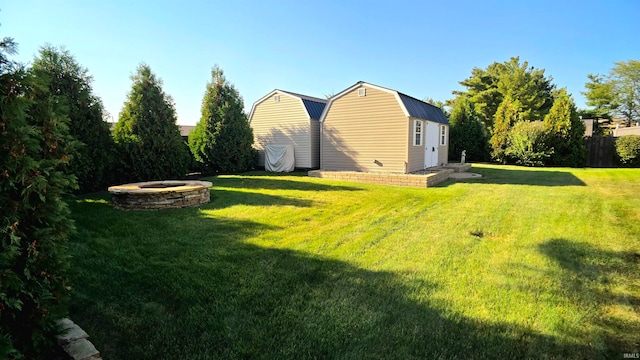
(149, 141)
(222, 140)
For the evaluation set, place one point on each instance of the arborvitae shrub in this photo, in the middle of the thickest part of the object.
(565, 133)
(148, 139)
(222, 140)
(35, 148)
(467, 132)
(71, 84)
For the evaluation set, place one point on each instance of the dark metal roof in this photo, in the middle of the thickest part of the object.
(314, 108)
(422, 110)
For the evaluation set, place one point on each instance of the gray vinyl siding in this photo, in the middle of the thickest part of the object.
(367, 133)
(283, 123)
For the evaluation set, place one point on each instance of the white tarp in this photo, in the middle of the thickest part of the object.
(279, 158)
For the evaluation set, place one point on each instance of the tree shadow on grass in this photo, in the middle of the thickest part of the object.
(525, 176)
(198, 288)
(260, 182)
(596, 277)
(223, 198)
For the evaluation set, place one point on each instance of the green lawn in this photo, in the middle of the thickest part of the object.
(523, 263)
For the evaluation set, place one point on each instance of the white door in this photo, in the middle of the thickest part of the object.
(431, 144)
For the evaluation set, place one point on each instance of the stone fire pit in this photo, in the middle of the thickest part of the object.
(168, 194)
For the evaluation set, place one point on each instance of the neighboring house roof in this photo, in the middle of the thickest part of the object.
(186, 129)
(626, 131)
(411, 106)
(312, 105)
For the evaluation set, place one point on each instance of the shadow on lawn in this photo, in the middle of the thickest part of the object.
(524, 176)
(223, 198)
(257, 182)
(592, 276)
(196, 288)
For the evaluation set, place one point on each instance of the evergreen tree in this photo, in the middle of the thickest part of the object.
(488, 88)
(506, 116)
(35, 148)
(466, 132)
(600, 95)
(149, 141)
(222, 140)
(71, 83)
(565, 132)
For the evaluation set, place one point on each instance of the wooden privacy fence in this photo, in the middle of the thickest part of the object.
(601, 151)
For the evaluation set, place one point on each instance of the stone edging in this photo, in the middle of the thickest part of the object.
(74, 342)
(422, 180)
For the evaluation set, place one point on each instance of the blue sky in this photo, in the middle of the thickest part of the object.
(421, 48)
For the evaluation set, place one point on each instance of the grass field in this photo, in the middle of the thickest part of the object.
(523, 263)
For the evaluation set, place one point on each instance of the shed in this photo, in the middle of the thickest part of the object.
(374, 129)
(286, 118)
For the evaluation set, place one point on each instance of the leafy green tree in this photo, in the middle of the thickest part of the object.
(71, 84)
(222, 140)
(467, 132)
(527, 143)
(507, 114)
(149, 141)
(488, 88)
(35, 148)
(617, 94)
(566, 132)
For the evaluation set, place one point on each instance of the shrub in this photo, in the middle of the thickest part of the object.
(35, 148)
(527, 143)
(628, 150)
(148, 140)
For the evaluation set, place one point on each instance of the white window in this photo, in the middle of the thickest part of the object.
(443, 135)
(276, 98)
(417, 133)
(362, 92)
